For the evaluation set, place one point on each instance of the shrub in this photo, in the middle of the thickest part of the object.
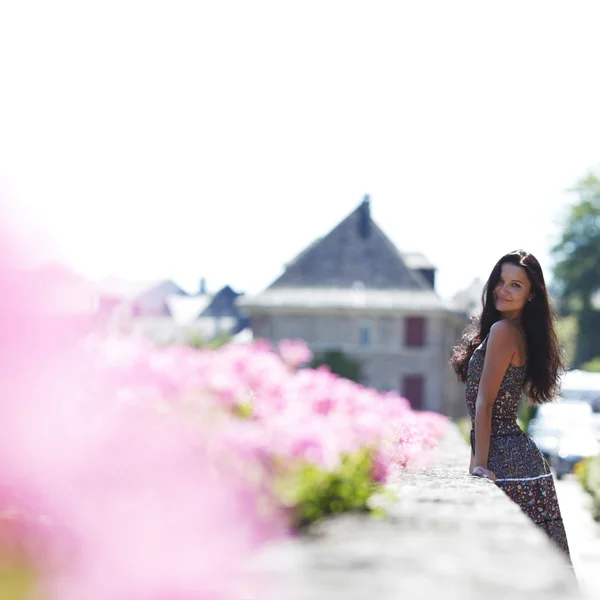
(131, 471)
(339, 363)
(588, 474)
(464, 426)
(592, 365)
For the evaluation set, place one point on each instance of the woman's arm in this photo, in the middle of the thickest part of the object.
(501, 347)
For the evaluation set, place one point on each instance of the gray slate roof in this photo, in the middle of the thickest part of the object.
(354, 253)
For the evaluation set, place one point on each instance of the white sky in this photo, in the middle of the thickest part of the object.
(218, 139)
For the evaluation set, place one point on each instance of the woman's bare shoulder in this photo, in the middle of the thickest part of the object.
(504, 335)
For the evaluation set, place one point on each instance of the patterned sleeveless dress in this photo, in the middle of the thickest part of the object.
(521, 470)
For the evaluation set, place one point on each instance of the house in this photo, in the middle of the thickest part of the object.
(352, 290)
(136, 298)
(416, 261)
(209, 316)
(469, 300)
(166, 313)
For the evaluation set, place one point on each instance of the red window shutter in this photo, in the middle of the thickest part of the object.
(414, 332)
(413, 389)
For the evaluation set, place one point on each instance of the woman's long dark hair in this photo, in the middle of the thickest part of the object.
(544, 358)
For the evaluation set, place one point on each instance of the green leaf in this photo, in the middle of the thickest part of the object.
(312, 494)
(16, 581)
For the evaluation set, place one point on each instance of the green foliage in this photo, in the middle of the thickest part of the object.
(339, 363)
(526, 413)
(243, 410)
(312, 494)
(464, 426)
(577, 268)
(592, 365)
(197, 341)
(16, 581)
(567, 328)
(588, 474)
(588, 342)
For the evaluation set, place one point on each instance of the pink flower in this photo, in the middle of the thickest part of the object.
(114, 498)
(131, 471)
(294, 353)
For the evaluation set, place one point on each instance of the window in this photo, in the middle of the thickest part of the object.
(414, 332)
(413, 389)
(365, 333)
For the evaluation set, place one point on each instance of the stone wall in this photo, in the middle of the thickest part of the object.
(449, 536)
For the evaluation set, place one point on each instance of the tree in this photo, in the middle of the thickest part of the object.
(592, 365)
(577, 265)
(339, 363)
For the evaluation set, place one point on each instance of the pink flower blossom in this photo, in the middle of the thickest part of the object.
(294, 353)
(133, 471)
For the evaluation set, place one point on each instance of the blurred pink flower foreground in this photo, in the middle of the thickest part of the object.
(136, 472)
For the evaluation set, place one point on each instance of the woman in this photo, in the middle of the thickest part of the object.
(512, 348)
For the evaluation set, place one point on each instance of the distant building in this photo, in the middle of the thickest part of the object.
(166, 313)
(416, 261)
(210, 316)
(352, 290)
(469, 300)
(128, 299)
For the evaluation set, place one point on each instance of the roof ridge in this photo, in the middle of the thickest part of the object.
(356, 249)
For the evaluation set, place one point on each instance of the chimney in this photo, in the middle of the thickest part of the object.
(202, 291)
(364, 221)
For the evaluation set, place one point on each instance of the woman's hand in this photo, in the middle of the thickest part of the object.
(483, 473)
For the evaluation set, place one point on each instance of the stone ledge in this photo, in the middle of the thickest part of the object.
(449, 535)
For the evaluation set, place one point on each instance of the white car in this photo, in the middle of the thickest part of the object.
(580, 385)
(573, 446)
(556, 425)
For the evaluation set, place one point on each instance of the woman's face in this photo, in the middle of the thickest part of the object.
(512, 291)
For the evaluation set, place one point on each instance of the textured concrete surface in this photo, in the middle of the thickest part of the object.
(583, 534)
(448, 536)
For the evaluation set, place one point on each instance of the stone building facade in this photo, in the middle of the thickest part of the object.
(352, 290)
